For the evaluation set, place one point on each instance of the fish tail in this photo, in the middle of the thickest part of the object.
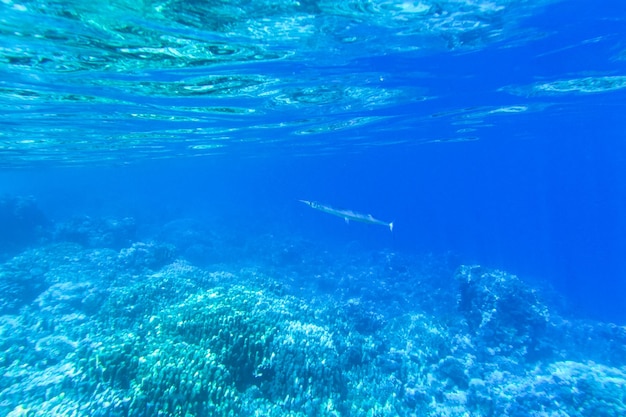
(391, 227)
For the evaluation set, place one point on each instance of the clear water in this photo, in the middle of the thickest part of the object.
(489, 132)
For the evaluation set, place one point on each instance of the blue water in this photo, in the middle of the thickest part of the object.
(151, 153)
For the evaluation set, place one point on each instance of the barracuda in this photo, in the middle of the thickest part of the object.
(348, 215)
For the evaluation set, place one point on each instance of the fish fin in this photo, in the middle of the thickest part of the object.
(347, 220)
(391, 227)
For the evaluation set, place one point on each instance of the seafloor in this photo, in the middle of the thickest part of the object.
(98, 319)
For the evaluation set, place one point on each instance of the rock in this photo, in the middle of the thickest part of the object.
(503, 314)
(71, 297)
(97, 232)
(149, 255)
(22, 223)
(19, 286)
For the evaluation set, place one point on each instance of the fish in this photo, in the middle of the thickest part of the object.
(348, 215)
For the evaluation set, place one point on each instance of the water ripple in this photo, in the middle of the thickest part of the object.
(98, 80)
(585, 85)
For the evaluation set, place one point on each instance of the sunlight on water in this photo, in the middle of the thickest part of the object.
(120, 75)
(576, 85)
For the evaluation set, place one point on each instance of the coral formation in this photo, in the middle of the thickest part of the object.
(501, 312)
(94, 232)
(139, 331)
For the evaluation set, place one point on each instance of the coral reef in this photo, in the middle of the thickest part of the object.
(149, 255)
(94, 232)
(140, 331)
(502, 313)
(559, 389)
(193, 240)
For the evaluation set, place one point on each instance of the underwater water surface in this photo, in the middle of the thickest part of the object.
(313, 208)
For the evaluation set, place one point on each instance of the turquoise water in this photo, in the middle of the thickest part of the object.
(156, 258)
